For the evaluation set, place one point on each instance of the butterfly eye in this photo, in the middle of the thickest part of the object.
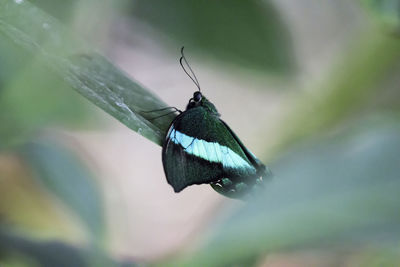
(197, 96)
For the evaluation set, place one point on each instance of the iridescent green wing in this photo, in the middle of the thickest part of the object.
(199, 148)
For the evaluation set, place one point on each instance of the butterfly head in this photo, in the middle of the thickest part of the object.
(197, 96)
(198, 100)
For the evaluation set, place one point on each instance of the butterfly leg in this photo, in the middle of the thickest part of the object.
(157, 117)
(161, 109)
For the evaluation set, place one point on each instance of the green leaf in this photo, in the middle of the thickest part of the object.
(40, 253)
(249, 34)
(27, 104)
(61, 172)
(28, 252)
(11, 60)
(83, 69)
(386, 11)
(340, 191)
(101, 82)
(62, 10)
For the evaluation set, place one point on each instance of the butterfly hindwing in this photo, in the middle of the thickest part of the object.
(200, 148)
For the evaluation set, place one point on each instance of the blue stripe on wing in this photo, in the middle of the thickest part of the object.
(210, 151)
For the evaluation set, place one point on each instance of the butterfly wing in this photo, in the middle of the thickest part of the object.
(200, 148)
(237, 188)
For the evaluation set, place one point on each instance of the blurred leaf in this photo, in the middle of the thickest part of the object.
(359, 79)
(341, 191)
(51, 253)
(11, 60)
(386, 11)
(63, 174)
(26, 205)
(28, 103)
(84, 70)
(62, 10)
(250, 34)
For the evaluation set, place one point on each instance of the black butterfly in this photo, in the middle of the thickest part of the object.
(201, 148)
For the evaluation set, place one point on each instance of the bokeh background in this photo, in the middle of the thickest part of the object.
(311, 87)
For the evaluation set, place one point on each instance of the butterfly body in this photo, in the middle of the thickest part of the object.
(200, 148)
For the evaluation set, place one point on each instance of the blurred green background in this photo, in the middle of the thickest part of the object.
(313, 88)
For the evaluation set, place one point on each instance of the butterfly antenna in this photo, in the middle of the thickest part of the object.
(194, 78)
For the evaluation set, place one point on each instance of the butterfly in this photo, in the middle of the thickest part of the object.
(200, 148)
